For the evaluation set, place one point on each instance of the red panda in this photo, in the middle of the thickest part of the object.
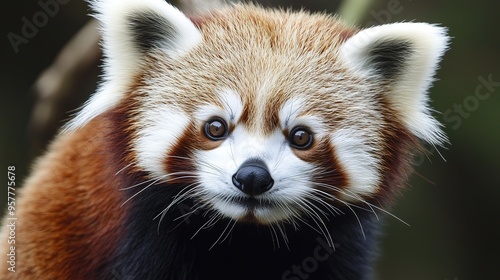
(246, 143)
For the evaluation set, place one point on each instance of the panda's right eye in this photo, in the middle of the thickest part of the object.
(216, 129)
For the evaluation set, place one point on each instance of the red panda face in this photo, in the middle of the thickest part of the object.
(262, 176)
(269, 116)
(271, 152)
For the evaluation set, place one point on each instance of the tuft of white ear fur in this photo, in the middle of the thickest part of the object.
(406, 56)
(130, 30)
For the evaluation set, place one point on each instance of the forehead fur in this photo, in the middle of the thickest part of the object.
(267, 57)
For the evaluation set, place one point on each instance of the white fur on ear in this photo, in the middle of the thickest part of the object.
(405, 55)
(130, 30)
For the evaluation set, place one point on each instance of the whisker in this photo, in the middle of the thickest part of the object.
(357, 197)
(350, 195)
(192, 175)
(125, 167)
(223, 234)
(285, 237)
(425, 178)
(332, 209)
(215, 217)
(274, 236)
(143, 182)
(177, 197)
(332, 197)
(200, 162)
(137, 193)
(185, 216)
(317, 220)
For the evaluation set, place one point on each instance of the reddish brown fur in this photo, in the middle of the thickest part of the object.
(70, 215)
(178, 161)
(331, 172)
(399, 148)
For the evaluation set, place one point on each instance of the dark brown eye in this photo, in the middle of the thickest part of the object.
(300, 138)
(216, 129)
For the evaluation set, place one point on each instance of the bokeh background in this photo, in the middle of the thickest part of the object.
(452, 202)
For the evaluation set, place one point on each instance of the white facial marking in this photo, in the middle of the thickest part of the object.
(355, 154)
(159, 130)
(290, 117)
(289, 111)
(231, 112)
(232, 105)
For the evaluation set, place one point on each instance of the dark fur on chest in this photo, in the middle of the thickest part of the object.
(168, 250)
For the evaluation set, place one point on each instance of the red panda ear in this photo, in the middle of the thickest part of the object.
(131, 29)
(405, 56)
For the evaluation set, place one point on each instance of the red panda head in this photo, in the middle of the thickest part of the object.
(267, 116)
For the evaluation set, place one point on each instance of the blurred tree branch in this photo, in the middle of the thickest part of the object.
(354, 11)
(60, 83)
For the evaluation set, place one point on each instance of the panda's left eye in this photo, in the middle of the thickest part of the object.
(300, 137)
(216, 129)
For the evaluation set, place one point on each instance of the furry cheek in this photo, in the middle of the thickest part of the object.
(160, 130)
(359, 162)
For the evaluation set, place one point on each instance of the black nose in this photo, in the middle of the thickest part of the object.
(253, 178)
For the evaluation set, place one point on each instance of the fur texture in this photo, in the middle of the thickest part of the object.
(143, 182)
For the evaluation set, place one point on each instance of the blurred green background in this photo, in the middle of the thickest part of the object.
(451, 205)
